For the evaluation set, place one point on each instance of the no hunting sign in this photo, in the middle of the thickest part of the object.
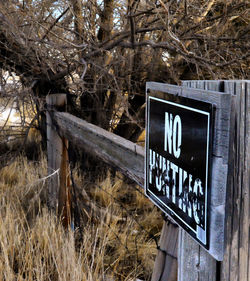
(178, 147)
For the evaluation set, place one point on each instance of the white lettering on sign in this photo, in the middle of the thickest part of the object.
(182, 179)
(166, 177)
(177, 185)
(190, 189)
(175, 170)
(173, 134)
(198, 190)
(158, 178)
(151, 163)
(168, 132)
(177, 132)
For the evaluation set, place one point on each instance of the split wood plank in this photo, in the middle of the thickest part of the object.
(165, 267)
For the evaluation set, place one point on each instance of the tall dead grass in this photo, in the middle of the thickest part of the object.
(118, 245)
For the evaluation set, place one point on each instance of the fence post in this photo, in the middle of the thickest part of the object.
(236, 263)
(57, 149)
(194, 263)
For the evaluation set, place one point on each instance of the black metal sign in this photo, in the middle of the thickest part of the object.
(177, 160)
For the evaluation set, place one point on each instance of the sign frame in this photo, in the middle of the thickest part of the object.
(183, 104)
(219, 161)
(196, 107)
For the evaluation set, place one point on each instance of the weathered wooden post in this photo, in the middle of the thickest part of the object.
(194, 262)
(236, 263)
(57, 148)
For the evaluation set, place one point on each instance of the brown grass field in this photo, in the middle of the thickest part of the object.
(117, 245)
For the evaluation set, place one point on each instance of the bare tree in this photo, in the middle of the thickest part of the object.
(101, 53)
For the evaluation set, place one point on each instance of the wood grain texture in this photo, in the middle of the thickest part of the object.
(194, 263)
(165, 267)
(235, 265)
(64, 193)
(54, 149)
(112, 149)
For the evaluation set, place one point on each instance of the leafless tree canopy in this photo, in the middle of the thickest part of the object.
(101, 53)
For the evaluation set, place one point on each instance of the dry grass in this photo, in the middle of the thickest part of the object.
(33, 245)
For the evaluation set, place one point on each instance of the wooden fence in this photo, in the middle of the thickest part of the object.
(194, 263)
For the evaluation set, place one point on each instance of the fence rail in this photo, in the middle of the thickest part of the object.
(116, 151)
